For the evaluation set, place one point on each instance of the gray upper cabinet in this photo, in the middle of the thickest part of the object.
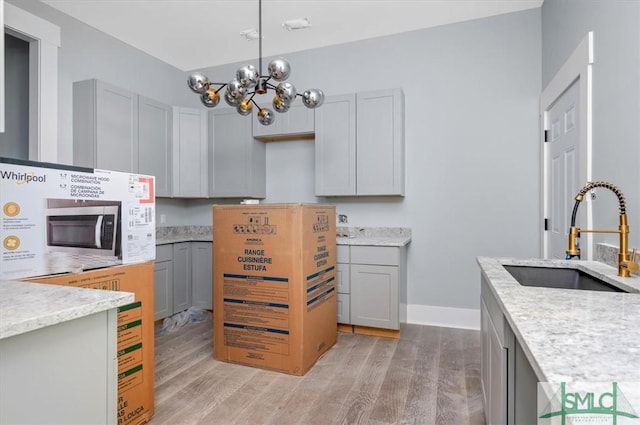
(154, 141)
(360, 144)
(335, 146)
(237, 162)
(105, 126)
(297, 122)
(190, 153)
(380, 143)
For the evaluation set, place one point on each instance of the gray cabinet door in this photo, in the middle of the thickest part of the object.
(105, 126)
(525, 389)
(298, 121)
(496, 337)
(201, 274)
(163, 289)
(335, 146)
(189, 153)
(484, 357)
(181, 276)
(344, 278)
(343, 306)
(237, 166)
(154, 143)
(497, 398)
(380, 146)
(374, 296)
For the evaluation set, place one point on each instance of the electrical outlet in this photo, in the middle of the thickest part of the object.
(342, 218)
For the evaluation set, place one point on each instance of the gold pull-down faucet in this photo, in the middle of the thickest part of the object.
(626, 264)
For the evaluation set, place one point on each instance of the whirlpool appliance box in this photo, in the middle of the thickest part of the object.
(274, 284)
(135, 402)
(62, 219)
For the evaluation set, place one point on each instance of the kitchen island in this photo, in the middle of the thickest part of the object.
(58, 353)
(561, 335)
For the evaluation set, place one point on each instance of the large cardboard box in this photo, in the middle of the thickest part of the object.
(135, 334)
(47, 212)
(274, 284)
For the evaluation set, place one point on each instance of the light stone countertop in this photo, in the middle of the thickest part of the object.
(27, 306)
(374, 241)
(572, 335)
(375, 236)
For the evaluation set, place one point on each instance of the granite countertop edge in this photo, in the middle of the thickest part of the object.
(373, 241)
(571, 335)
(28, 306)
(376, 236)
(356, 240)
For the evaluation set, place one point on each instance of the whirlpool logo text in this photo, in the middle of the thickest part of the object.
(23, 178)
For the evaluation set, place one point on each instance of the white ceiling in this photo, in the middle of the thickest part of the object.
(192, 34)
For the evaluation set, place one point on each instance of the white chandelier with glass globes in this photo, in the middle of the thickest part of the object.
(249, 81)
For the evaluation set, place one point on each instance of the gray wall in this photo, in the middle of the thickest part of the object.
(471, 92)
(616, 95)
(88, 53)
(471, 126)
(14, 142)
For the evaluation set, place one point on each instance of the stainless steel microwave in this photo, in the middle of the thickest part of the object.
(84, 230)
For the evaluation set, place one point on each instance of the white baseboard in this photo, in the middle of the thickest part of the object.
(448, 317)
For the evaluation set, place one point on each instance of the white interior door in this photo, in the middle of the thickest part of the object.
(563, 158)
(566, 111)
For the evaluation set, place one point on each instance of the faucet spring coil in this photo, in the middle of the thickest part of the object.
(621, 201)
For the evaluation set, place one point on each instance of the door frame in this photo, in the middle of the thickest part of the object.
(577, 69)
(44, 41)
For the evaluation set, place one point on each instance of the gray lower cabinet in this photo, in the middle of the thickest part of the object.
(237, 161)
(377, 284)
(374, 296)
(155, 143)
(190, 163)
(202, 275)
(359, 144)
(163, 282)
(105, 126)
(181, 276)
(65, 373)
(509, 384)
(493, 370)
(343, 277)
(525, 389)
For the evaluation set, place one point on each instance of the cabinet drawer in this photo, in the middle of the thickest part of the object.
(381, 255)
(342, 253)
(343, 277)
(164, 252)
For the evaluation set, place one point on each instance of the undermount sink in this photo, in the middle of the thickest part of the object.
(563, 278)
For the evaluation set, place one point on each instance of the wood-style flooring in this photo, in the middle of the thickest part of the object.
(431, 375)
